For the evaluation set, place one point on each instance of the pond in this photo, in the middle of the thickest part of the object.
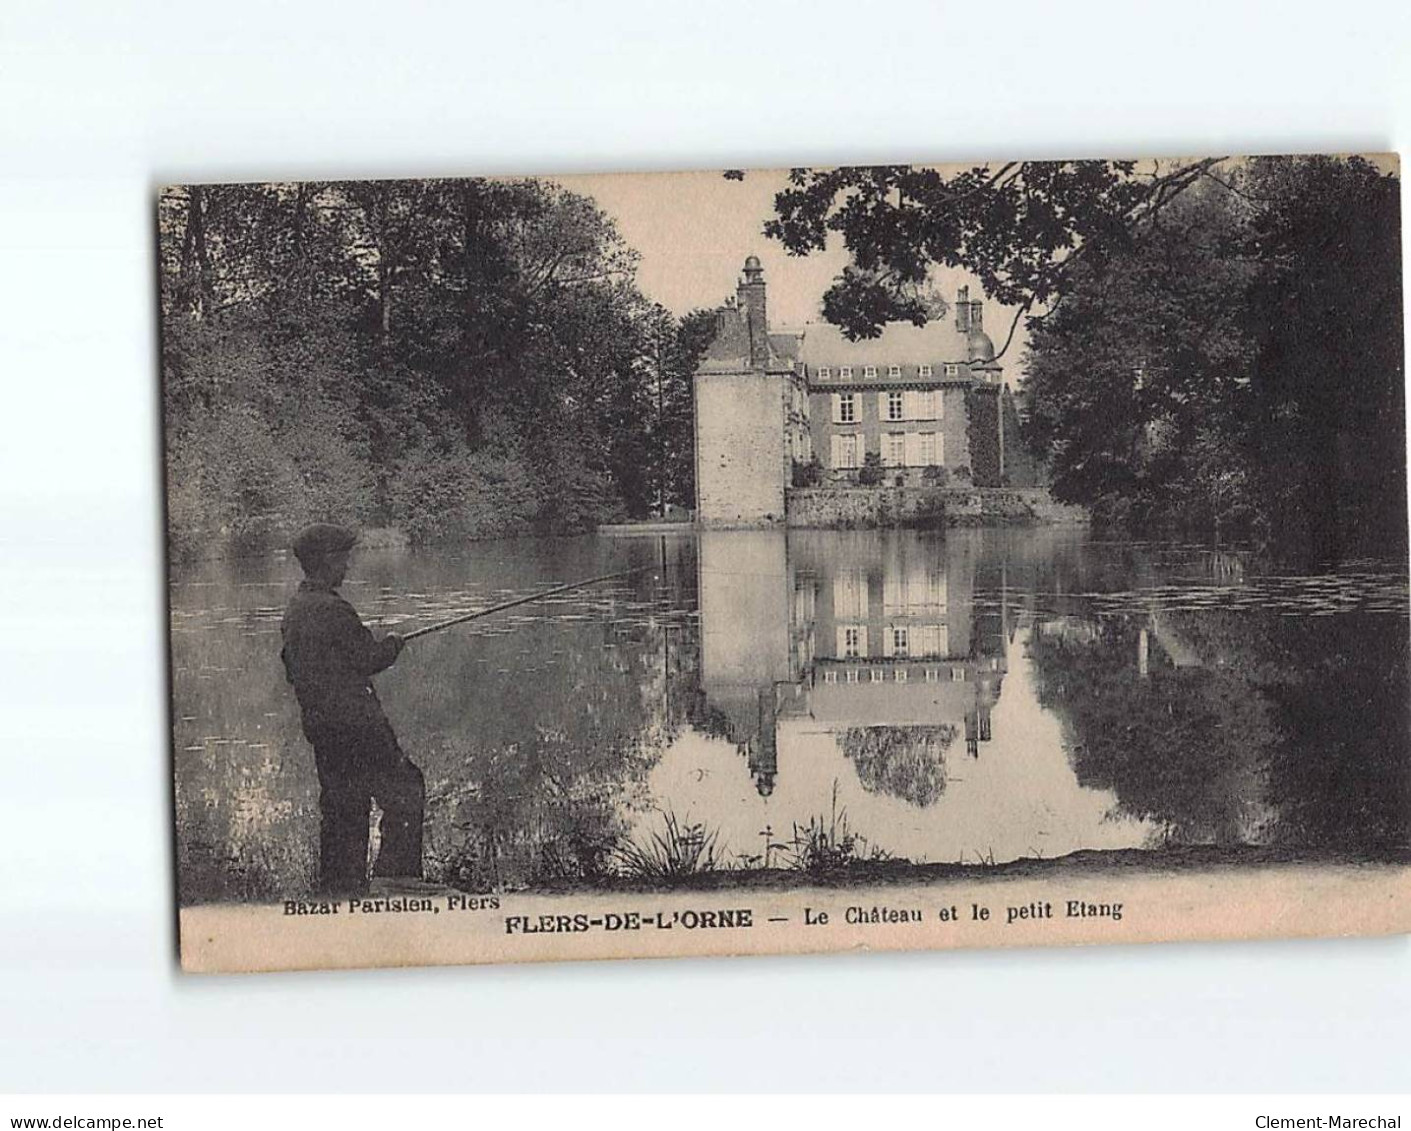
(789, 700)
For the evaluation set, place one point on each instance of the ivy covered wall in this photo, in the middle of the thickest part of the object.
(982, 412)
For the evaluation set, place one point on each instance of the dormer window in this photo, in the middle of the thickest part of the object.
(869, 371)
(925, 371)
(952, 369)
(845, 371)
(824, 371)
(894, 371)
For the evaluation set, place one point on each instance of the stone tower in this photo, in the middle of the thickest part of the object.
(746, 388)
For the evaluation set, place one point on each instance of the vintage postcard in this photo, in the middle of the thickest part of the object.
(749, 562)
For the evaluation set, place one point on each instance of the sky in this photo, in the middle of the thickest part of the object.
(694, 230)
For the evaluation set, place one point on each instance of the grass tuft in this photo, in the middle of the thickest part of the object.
(827, 843)
(681, 848)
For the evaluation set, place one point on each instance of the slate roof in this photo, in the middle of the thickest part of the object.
(900, 343)
(729, 350)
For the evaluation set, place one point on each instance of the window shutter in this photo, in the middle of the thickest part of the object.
(937, 590)
(836, 453)
(926, 639)
(837, 409)
(940, 449)
(842, 598)
(913, 450)
(882, 405)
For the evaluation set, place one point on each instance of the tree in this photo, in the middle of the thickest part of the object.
(1329, 377)
(871, 473)
(457, 357)
(687, 342)
(1236, 368)
(1020, 227)
(1138, 383)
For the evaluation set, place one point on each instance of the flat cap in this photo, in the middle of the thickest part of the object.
(322, 538)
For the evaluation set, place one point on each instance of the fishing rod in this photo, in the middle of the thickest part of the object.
(521, 601)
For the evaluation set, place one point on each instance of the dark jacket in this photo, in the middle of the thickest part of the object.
(330, 658)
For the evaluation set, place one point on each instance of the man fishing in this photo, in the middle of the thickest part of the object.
(330, 657)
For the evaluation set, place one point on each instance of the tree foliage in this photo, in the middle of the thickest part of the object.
(1138, 382)
(1018, 227)
(1237, 368)
(1328, 377)
(982, 434)
(452, 357)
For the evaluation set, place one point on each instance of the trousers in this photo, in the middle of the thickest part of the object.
(356, 765)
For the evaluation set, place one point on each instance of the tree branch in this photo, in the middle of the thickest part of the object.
(956, 198)
(1237, 190)
(1013, 327)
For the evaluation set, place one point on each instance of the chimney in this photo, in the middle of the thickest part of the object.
(751, 293)
(962, 309)
(977, 321)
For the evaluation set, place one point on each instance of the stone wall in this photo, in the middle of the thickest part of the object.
(1049, 510)
(740, 456)
(844, 507)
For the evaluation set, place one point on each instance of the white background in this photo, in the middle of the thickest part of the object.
(101, 101)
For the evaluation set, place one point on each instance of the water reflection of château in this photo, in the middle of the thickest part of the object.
(901, 639)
